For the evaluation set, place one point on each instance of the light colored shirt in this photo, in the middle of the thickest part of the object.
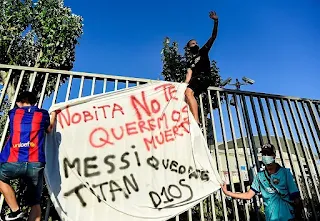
(277, 208)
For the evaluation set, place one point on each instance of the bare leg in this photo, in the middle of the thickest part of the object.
(9, 196)
(192, 102)
(35, 213)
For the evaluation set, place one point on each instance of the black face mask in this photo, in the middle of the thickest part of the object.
(194, 49)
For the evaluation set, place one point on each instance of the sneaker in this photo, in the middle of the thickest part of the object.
(14, 216)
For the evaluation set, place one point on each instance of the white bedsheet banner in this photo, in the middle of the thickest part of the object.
(135, 154)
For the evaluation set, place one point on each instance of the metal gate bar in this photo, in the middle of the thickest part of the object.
(246, 121)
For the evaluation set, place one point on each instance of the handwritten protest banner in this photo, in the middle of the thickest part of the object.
(135, 154)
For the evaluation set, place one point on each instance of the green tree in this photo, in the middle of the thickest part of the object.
(174, 69)
(38, 34)
(42, 34)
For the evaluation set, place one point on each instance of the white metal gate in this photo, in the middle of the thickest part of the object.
(237, 124)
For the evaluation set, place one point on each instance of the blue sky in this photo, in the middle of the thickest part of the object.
(276, 43)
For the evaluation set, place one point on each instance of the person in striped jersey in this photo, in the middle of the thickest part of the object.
(23, 154)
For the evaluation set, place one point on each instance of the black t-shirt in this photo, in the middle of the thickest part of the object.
(200, 63)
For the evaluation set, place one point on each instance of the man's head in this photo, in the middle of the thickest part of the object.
(268, 152)
(193, 46)
(26, 98)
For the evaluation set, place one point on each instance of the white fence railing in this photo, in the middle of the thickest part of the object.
(237, 124)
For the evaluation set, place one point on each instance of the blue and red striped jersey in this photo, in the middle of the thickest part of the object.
(27, 135)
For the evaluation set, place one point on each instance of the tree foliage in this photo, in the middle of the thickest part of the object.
(41, 34)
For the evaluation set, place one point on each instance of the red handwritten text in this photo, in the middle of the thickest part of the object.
(169, 91)
(102, 137)
(66, 117)
(167, 136)
(153, 106)
(149, 109)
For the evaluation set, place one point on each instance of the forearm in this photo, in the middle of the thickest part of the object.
(244, 196)
(215, 29)
(52, 121)
(213, 36)
(188, 77)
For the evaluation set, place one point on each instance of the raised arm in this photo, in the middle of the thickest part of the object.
(213, 37)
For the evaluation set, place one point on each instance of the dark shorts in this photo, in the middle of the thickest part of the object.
(31, 173)
(198, 85)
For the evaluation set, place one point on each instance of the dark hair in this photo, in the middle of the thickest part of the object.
(27, 97)
(187, 46)
(268, 149)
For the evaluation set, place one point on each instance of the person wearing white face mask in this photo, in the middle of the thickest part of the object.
(279, 191)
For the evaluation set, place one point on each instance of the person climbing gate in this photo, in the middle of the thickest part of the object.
(23, 155)
(199, 69)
